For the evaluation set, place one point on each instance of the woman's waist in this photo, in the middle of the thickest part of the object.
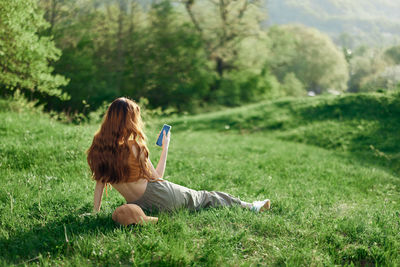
(132, 191)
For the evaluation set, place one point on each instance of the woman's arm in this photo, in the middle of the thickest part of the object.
(163, 158)
(159, 171)
(98, 194)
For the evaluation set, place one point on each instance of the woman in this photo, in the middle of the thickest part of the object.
(119, 156)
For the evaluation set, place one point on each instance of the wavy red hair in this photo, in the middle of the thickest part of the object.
(109, 153)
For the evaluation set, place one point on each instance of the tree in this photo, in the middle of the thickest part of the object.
(388, 79)
(236, 44)
(292, 86)
(310, 55)
(225, 26)
(393, 54)
(24, 56)
(93, 36)
(367, 65)
(168, 65)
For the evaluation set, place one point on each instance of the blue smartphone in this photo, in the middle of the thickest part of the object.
(166, 127)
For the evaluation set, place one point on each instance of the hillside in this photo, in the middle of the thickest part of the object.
(363, 124)
(368, 21)
(331, 204)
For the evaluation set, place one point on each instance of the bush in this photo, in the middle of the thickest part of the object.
(310, 55)
(293, 86)
(18, 103)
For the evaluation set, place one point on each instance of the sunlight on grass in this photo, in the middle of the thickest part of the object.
(328, 206)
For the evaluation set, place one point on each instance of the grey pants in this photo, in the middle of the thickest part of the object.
(167, 196)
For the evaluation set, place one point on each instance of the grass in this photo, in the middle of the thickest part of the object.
(332, 204)
(367, 125)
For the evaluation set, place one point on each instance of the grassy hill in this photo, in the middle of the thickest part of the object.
(335, 200)
(367, 125)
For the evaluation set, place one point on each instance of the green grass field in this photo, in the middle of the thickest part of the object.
(330, 165)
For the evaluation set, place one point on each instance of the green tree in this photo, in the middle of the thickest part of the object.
(168, 65)
(393, 54)
(366, 66)
(117, 48)
(230, 29)
(236, 44)
(310, 55)
(293, 86)
(24, 55)
(86, 32)
(388, 79)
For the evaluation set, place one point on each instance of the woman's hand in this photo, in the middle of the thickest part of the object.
(165, 140)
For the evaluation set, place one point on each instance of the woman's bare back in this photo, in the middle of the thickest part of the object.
(132, 191)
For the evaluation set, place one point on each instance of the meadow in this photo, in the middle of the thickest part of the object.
(330, 165)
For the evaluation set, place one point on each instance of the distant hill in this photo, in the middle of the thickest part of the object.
(348, 22)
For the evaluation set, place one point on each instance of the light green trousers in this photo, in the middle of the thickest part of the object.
(167, 196)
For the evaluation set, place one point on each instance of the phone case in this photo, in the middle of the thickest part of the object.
(166, 127)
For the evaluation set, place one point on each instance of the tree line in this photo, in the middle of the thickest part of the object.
(75, 55)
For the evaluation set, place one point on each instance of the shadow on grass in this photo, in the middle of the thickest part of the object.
(373, 127)
(53, 238)
(354, 106)
(365, 125)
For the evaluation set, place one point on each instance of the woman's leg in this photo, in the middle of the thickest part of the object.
(196, 200)
(167, 196)
(221, 199)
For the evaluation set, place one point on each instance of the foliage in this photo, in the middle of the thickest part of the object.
(393, 54)
(183, 55)
(388, 79)
(364, 64)
(19, 104)
(86, 86)
(373, 69)
(150, 115)
(234, 88)
(310, 55)
(293, 86)
(127, 51)
(171, 69)
(24, 56)
(79, 29)
(165, 52)
(229, 30)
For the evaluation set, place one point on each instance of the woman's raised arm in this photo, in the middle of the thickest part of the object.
(163, 158)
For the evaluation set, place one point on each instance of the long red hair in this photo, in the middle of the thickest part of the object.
(109, 153)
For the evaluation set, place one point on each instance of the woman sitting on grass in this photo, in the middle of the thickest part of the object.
(119, 156)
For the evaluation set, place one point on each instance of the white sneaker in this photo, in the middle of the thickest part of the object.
(260, 206)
